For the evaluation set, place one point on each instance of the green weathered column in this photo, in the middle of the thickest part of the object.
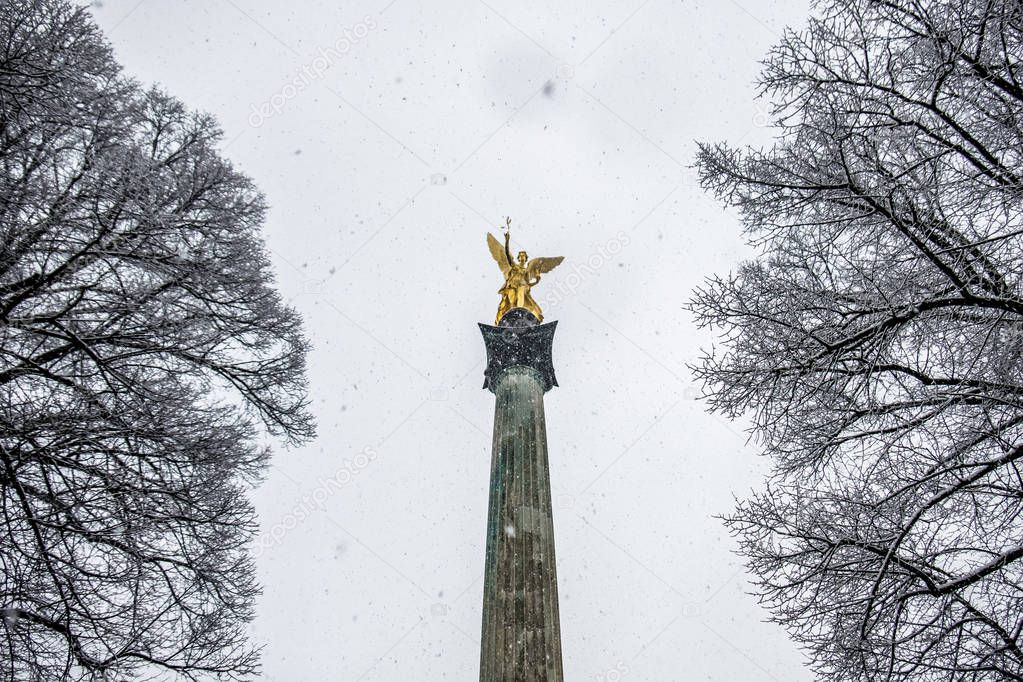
(521, 630)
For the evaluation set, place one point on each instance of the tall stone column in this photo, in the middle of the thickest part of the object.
(521, 630)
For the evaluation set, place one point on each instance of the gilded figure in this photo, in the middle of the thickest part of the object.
(520, 274)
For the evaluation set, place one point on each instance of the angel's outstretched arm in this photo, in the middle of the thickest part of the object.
(507, 246)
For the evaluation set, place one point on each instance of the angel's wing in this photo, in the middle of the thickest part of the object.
(538, 266)
(497, 251)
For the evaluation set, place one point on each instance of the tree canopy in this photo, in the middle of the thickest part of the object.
(877, 340)
(145, 359)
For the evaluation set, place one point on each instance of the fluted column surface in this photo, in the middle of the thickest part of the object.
(521, 629)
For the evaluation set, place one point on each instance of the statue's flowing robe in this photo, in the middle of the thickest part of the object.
(517, 280)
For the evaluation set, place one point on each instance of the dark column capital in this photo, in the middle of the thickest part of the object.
(519, 341)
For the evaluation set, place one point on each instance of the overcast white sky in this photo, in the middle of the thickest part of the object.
(408, 131)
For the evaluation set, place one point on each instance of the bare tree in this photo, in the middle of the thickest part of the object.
(144, 361)
(877, 340)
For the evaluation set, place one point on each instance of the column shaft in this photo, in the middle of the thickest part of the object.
(521, 628)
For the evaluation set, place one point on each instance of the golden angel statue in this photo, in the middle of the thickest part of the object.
(519, 275)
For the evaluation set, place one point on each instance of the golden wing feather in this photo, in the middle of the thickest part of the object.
(539, 266)
(497, 251)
